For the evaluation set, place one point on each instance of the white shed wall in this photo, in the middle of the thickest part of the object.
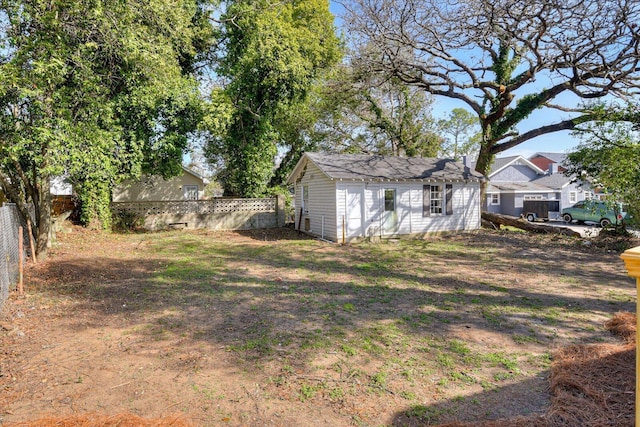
(409, 202)
(322, 204)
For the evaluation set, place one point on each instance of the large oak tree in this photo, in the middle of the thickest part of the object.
(505, 59)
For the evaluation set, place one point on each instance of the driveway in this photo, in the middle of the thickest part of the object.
(586, 230)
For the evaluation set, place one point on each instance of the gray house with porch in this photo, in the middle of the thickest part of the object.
(515, 179)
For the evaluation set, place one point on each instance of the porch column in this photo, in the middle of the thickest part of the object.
(631, 259)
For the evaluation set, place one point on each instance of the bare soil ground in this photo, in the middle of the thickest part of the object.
(271, 328)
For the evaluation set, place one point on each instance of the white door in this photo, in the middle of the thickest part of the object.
(354, 206)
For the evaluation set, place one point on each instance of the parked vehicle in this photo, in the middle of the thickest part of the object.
(603, 213)
(534, 210)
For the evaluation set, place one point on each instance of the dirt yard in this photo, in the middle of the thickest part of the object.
(269, 328)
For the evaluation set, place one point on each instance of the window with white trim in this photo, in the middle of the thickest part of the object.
(573, 197)
(190, 192)
(495, 199)
(436, 198)
(533, 197)
(305, 199)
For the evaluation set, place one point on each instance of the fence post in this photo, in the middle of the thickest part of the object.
(280, 210)
(31, 242)
(631, 259)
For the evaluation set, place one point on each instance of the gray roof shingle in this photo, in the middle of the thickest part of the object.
(555, 181)
(368, 167)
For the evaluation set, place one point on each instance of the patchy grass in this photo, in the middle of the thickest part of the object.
(392, 333)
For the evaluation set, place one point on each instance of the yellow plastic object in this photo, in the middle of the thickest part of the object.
(631, 259)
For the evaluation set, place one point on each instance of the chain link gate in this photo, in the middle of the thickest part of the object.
(9, 250)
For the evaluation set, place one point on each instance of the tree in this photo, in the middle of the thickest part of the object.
(608, 156)
(97, 90)
(462, 134)
(361, 112)
(273, 52)
(505, 59)
(347, 111)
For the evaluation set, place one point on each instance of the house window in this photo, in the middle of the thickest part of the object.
(190, 192)
(305, 199)
(573, 197)
(437, 200)
(534, 197)
(495, 199)
(436, 197)
(588, 195)
(389, 200)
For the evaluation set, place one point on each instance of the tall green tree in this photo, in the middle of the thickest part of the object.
(505, 59)
(273, 52)
(461, 132)
(365, 113)
(96, 90)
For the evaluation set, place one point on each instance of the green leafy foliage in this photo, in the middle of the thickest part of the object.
(273, 54)
(98, 91)
(609, 156)
(462, 134)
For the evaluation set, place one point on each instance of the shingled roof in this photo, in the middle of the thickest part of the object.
(384, 168)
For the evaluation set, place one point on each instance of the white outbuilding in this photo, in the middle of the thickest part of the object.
(345, 197)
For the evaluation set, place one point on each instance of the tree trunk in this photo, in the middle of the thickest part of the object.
(525, 225)
(43, 217)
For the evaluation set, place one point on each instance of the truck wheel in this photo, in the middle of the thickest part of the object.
(566, 218)
(531, 217)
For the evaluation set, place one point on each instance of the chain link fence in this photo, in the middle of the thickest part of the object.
(9, 250)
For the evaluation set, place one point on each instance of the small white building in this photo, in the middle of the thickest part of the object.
(344, 197)
(187, 186)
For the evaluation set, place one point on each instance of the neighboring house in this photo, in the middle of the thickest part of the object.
(61, 195)
(549, 160)
(343, 197)
(514, 179)
(187, 186)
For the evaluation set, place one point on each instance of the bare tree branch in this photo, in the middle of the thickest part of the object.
(504, 58)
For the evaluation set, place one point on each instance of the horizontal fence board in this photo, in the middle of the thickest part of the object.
(204, 207)
(216, 214)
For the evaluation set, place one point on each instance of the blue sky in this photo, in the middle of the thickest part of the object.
(557, 142)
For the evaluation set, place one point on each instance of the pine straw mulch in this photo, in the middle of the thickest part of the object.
(591, 385)
(98, 420)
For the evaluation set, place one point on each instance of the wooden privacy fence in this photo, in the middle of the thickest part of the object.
(216, 214)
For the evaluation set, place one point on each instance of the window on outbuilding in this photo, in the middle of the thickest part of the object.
(437, 200)
(389, 199)
(305, 199)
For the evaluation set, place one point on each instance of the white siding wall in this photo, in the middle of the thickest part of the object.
(470, 196)
(322, 203)
(327, 199)
(466, 209)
